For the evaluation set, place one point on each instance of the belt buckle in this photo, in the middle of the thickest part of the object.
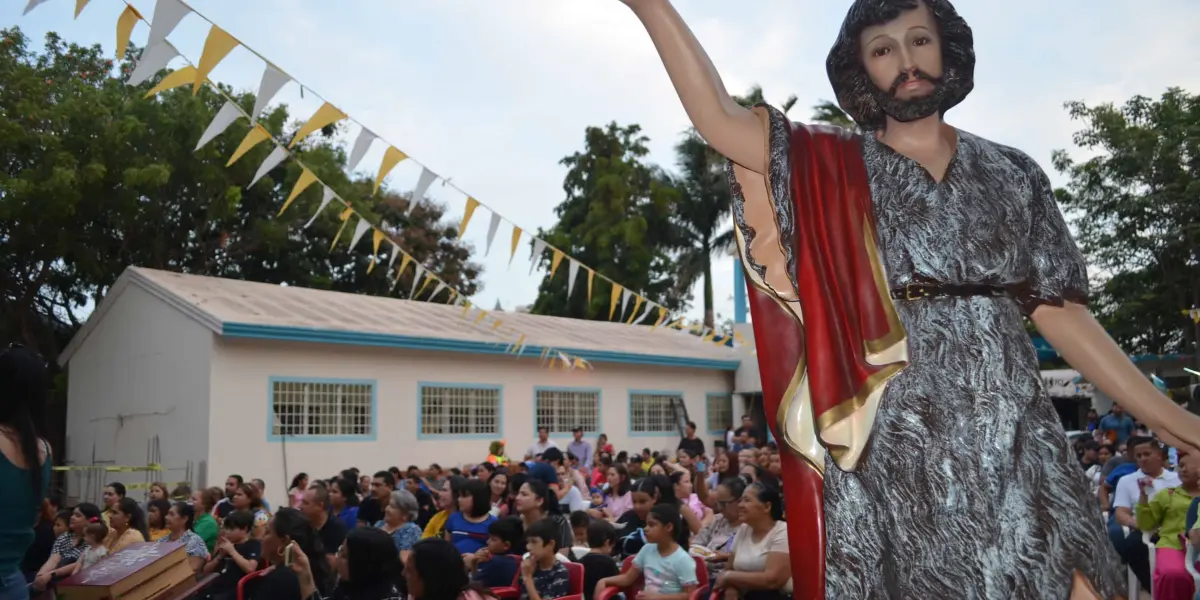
(920, 292)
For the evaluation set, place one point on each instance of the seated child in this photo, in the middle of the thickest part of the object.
(579, 527)
(598, 563)
(93, 535)
(504, 537)
(542, 576)
(669, 572)
(236, 555)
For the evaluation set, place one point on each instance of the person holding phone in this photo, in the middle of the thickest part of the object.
(288, 531)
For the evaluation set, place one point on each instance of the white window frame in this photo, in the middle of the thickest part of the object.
(723, 412)
(459, 411)
(321, 409)
(565, 409)
(645, 407)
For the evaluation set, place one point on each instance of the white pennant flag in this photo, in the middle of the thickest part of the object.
(225, 117)
(361, 145)
(649, 307)
(273, 159)
(167, 14)
(416, 281)
(326, 196)
(538, 248)
(392, 258)
(572, 271)
(437, 290)
(272, 81)
(492, 227)
(153, 59)
(625, 295)
(359, 230)
(32, 5)
(427, 178)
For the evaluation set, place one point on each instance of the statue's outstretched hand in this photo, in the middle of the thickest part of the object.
(1182, 432)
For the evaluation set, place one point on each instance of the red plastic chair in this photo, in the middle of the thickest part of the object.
(575, 571)
(241, 588)
(636, 588)
(511, 592)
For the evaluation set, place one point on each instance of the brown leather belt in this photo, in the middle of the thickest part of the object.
(918, 291)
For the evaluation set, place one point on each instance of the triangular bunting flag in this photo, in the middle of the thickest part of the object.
(625, 294)
(328, 114)
(481, 316)
(555, 261)
(152, 60)
(360, 229)
(306, 179)
(429, 277)
(225, 117)
(516, 241)
(572, 272)
(172, 80)
(403, 265)
(376, 239)
(637, 305)
(496, 324)
(538, 248)
(167, 14)
(466, 304)
(272, 81)
(345, 219)
(412, 294)
(392, 255)
(708, 335)
(257, 135)
(273, 159)
(391, 157)
(218, 45)
(423, 182)
(591, 278)
(492, 227)
(662, 316)
(79, 6)
(129, 17)
(453, 299)
(469, 212)
(437, 290)
(361, 144)
(327, 194)
(32, 5)
(612, 301)
(520, 345)
(649, 307)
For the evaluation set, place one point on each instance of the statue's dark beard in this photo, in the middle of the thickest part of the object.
(910, 110)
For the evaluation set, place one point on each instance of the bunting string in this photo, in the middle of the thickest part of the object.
(158, 52)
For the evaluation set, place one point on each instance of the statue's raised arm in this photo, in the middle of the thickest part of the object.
(727, 126)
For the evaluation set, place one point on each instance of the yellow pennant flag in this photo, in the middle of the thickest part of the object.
(328, 114)
(453, 295)
(428, 278)
(637, 305)
(662, 316)
(708, 337)
(676, 324)
(612, 303)
(516, 241)
(472, 204)
(174, 79)
(258, 134)
(482, 315)
(129, 17)
(376, 239)
(519, 343)
(218, 45)
(591, 277)
(306, 179)
(403, 265)
(580, 363)
(391, 158)
(496, 325)
(345, 217)
(79, 5)
(466, 307)
(554, 262)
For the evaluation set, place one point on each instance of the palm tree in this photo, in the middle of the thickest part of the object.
(831, 113)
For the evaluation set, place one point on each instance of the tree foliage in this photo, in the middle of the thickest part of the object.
(96, 178)
(1138, 207)
(616, 218)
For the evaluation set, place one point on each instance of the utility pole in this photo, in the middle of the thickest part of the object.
(1194, 314)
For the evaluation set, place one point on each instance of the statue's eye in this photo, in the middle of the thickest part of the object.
(921, 41)
(881, 51)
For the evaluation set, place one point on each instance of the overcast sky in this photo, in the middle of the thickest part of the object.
(494, 94)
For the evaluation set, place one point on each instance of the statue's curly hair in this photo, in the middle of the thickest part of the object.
(849, 77)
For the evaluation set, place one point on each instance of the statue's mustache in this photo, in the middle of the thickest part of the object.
(903, 78)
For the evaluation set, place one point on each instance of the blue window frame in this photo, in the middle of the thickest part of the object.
(460, 411)
(321, 409)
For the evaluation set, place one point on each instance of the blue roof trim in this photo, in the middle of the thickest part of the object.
(359, 338)
(1047, 352)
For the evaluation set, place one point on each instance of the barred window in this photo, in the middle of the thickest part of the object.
(720, 412)
(309, 408)
(561, 411)
(653, 413)
(450, 410)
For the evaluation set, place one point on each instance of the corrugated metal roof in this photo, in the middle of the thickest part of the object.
(222, 302)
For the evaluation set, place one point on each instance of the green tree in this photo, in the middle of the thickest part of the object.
(1137, 203)
(832, 114)
(616, 218)
(96, 178)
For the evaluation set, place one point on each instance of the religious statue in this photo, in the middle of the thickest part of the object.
(889, 270)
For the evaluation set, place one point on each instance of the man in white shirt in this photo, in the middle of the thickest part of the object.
(542, 444)
(1150, 456)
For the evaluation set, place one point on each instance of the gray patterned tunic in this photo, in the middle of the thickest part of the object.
(968, 489)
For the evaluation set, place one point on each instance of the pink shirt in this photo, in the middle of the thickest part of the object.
(620, 505)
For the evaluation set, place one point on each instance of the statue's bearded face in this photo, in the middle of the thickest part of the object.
(903, 59)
